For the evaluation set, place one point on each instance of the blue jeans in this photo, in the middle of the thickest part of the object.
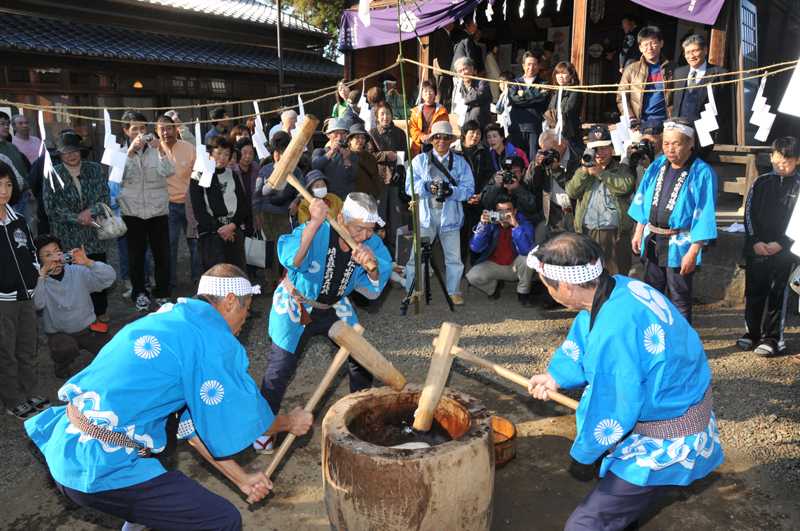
(451, 245)
(177, 224)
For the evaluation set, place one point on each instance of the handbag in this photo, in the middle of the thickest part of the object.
(109, 226)
(255, 250)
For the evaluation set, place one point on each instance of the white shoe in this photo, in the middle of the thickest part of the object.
(128, 290)
(142, 303)
(264, 445)
(130, 526)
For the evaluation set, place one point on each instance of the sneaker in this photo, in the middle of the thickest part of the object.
(745, 342)
(99, 326)
(264, 445)
(127, 290)
(766, 349)
(142, 303)
(39, 403)
(22, 410)
(458, 300)
(130, 526)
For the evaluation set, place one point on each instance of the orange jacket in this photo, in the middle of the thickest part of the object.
(415, 129)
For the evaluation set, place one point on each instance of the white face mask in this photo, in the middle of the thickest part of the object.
(320, 192)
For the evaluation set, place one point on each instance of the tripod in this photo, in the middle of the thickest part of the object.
(426, 269)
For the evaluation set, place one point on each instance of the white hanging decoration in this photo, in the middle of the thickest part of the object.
(505, 10)
(49, 171)
(560, 121)
(521, 8)
(259, 138)
(558, 6)
(489, 11)
(363, 12)
(364, 111)
(114, 156)
(539, 8)
(790, 104)
(203, 163)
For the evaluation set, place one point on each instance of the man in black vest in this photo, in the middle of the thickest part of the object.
(694, 77)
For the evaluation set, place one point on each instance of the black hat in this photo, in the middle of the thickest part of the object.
(69, 141)
(357, 129)
(314, 176)
(599, 136)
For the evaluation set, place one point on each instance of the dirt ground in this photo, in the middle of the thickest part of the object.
(754, 489)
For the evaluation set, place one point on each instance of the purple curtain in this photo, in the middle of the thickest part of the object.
(702, 11)
(422, 17)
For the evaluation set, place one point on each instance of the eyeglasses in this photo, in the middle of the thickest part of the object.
(440, 137)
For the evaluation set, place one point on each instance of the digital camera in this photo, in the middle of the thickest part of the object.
(587, 159)
(641, 149)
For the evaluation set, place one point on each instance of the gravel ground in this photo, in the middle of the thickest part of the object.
(756, 401)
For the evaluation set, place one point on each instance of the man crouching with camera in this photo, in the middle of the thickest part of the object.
(510, 181)
(500, 243)
(442, 180)
(602, 188)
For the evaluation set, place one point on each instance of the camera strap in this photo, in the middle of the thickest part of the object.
(445, 171)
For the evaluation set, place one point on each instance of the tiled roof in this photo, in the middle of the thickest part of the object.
(258, 11)
(44, 35)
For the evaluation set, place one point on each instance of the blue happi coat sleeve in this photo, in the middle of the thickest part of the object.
(704, 217)
(225, 406)
(614, 394)
(639, 210)
(566, 365)
(366, 285)
(288, 244)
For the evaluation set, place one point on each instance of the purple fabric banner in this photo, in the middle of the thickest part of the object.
(702, 11)
(421, 16)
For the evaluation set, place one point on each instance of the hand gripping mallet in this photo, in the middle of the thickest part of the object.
(437, 376)
(282, 173)
(509, 375)
(333, 370)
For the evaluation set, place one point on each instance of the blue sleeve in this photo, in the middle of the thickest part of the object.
(384, 260)
(481, 238)
(418, 177)
(466, 182)
(704, 217)
(614, 395)
(288, 245)
(566, 365)
(639, 211)
(225, 405)
(523, 236)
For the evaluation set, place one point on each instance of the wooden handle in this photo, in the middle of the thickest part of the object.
(511, 376)
(319, 392)
(436, 379)
(291, 155)
(367, 355)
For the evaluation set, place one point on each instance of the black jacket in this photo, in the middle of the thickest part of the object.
(767, 210)
(478, 98)
(527, 109)
(467, 47)
(722, 98)
(208, 224)
(571, 103)
(19, 267)
(480, 160)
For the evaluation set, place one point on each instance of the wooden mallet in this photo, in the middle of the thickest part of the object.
(437, 376)
(368, 356)
(283, 173)
(319, 392)
(509, 375)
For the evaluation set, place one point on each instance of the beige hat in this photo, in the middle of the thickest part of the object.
(442, 128)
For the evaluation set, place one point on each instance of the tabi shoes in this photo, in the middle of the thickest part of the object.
(264, 445)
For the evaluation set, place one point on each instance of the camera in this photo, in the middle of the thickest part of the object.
(443, 190)
(587, 159)
(639, 150)
(342, 144)
(508, 175)
(495, 217)
(147, 138)
(67, 258)
(550, 156)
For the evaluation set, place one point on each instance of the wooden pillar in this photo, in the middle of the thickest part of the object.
(716, 48)
(424, 57)
(579, 11)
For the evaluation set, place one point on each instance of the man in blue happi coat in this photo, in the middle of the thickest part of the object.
(185, 358)
(646, 411)
(675, 213)
(321, 271)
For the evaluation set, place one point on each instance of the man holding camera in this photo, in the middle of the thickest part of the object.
(500, 243)
(602, 188)
(553, 165)
(509, 181)
(442, 179)
(63, 292)
(645, 146)
(335, 160)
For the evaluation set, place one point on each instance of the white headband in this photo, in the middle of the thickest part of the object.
(353, 210)
(221, 286)
(569, 274)
(685, 129)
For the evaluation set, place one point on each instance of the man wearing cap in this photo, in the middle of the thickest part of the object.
(322, 270)
(442, 180)
(636, 157)
(336, 160)
(186, 359)
(675, 213)
(645, 414)
(368, 179)
(602, 188)
(73, 202)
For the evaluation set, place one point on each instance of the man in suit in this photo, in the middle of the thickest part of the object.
(528, 104)
(697, 74)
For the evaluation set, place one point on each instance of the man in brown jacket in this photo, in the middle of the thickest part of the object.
(653, 68)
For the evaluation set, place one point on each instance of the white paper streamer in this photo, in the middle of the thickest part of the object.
(560, 120)
(363, 12)
(364, 111)
(521, 8)
(48, 169)
(712, 104)
(203, 163)
(539, 8)
(458, 105)
(489, 11)
(114, 155)
(790, 104)
(259, 137)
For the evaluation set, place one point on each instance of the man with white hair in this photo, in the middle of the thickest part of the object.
(443, 180)
(287, 123)
(321, 271)
(186, 359)
(675, 213)
(474, 96)
(645, 414)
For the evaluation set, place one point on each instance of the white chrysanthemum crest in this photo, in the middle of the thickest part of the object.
(212, 392)
(147, 347)
(607, 432)
(571, 349)
(654, 339)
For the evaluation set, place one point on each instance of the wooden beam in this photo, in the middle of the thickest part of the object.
(579, 10)
(716, 49)
(424, 57)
